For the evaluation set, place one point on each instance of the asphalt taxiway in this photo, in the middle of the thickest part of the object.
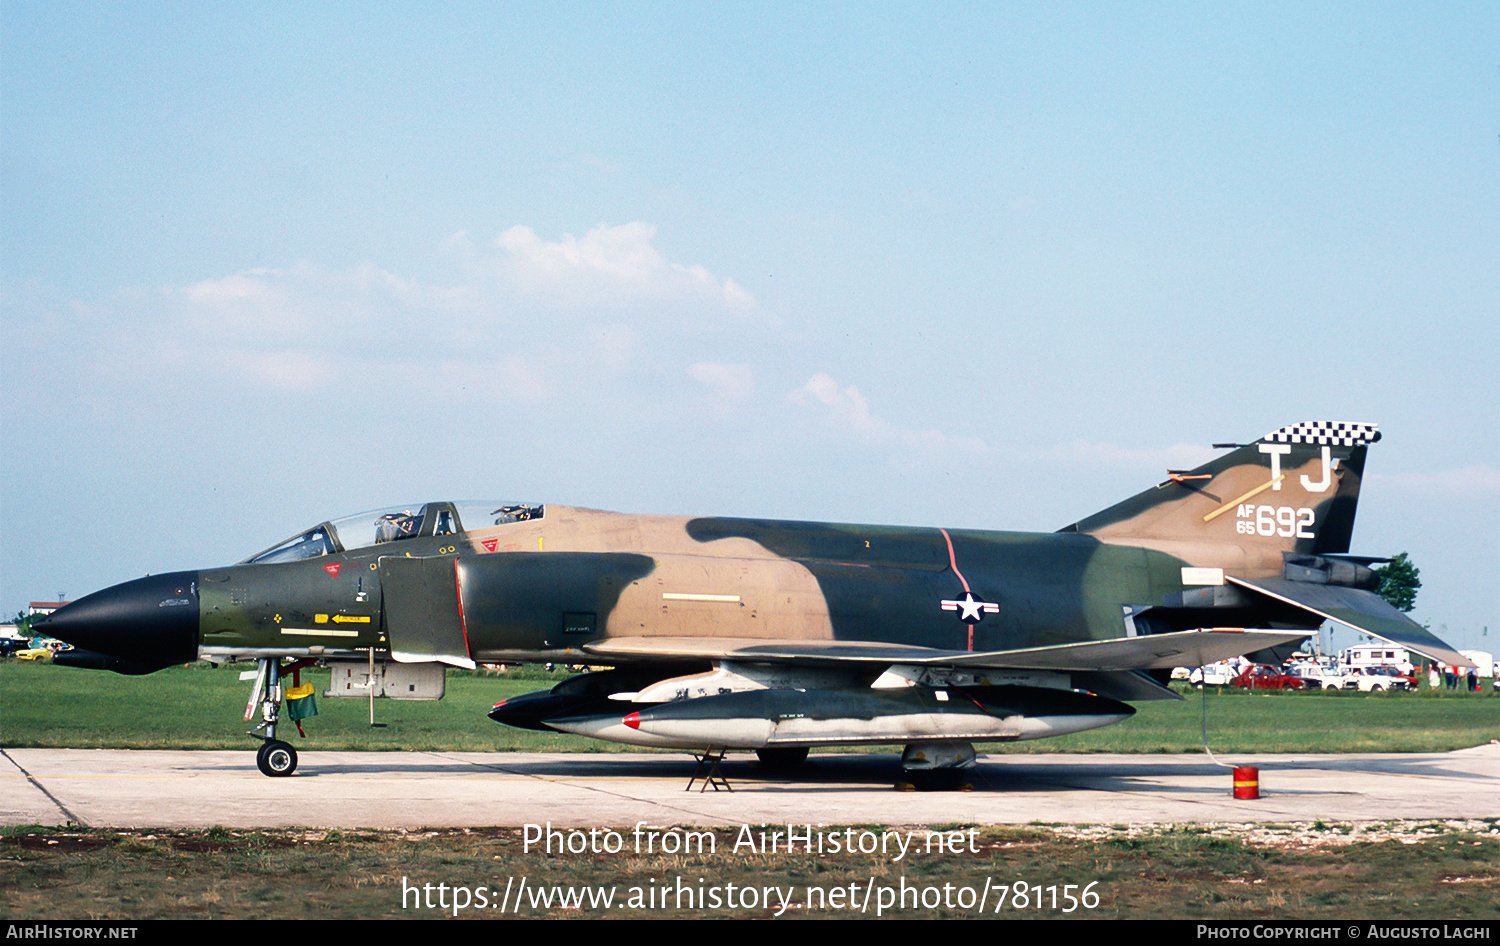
(171, 789)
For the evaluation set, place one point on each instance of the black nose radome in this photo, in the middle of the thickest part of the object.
(150, 621)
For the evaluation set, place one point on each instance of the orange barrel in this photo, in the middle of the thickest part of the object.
(1246, 781)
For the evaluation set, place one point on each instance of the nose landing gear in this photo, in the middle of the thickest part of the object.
(276, 758)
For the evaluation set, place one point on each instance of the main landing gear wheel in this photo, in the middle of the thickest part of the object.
(276, 758)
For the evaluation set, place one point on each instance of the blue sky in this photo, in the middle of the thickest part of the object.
(266, 264)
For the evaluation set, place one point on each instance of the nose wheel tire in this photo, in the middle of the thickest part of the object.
(276, 758)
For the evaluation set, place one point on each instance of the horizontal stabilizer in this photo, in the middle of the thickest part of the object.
(1151, 652)
(1365, 611)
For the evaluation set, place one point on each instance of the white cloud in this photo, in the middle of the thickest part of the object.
(263, 308)
(609, 265)
(507, 378)
(526, 319)
(731, 384)
(282, 370)
(845, 408)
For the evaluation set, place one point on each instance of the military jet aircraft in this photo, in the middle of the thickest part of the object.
(744, 634)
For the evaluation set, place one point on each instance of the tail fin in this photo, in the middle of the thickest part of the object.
(1295, 489)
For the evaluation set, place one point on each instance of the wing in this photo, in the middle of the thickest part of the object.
(1150, 652)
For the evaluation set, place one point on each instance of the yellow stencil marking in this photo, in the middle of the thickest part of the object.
(317, 632)
(1254, 492)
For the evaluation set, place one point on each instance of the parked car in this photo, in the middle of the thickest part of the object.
(1317, 677)
(1377, 679)
(1265, 677)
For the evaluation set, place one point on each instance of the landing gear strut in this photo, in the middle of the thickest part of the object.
(274, 758)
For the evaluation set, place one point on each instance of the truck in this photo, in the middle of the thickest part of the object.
(1376, 655)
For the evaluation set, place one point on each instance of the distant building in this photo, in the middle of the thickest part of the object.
(45, 607)
(1484, 659)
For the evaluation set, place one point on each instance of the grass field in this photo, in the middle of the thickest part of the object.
(201, 707)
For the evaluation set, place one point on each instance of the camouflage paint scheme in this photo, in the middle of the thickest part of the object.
(715, 625)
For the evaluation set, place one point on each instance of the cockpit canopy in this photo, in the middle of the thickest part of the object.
(381, 526)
